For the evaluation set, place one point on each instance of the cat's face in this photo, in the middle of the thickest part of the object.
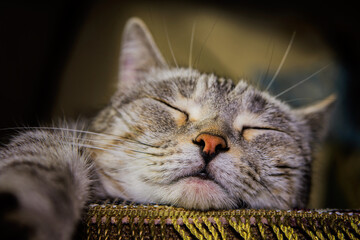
(179, 137)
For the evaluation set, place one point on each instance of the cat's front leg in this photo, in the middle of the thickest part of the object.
(37, 202)
(45, 180)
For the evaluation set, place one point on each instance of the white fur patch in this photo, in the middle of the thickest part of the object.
(247, 119)
(195, 110)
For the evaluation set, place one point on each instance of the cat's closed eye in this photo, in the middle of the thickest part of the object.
(250, 132)
(180, 116)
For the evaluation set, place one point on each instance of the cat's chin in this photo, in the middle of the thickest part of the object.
(199, 184)
(197, 192)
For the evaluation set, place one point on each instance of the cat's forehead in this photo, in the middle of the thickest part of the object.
(186, 84)
(206, 95)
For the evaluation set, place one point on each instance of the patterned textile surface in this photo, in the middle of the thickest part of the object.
(127, 221)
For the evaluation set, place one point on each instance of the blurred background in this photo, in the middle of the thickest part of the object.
(60, 59)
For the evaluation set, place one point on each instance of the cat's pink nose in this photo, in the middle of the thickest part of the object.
(210, 143)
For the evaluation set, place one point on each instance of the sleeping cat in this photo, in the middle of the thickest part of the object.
(168, 136)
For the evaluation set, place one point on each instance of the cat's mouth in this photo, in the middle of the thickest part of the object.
(203, 174)
(204, 184)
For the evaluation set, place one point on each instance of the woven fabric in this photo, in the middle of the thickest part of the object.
(121, 221)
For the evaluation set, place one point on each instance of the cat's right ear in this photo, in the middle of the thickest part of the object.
(317, 117)
(139, 54)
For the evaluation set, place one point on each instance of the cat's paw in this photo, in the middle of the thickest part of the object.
(31, 209)
(10, 227)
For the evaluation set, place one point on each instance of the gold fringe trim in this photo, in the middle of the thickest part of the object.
(121, 221)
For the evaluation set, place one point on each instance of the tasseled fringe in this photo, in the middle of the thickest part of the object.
(127, 221)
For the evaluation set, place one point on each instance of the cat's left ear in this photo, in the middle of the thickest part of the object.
(317, 117)
(139, 53)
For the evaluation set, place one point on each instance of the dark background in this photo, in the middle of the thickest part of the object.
(36, 39)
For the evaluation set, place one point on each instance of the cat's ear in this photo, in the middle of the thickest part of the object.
(139, 53)
(317, 117)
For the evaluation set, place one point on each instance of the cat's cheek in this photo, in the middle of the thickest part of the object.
(223, 168)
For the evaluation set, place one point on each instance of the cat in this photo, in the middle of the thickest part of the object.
(170, 136)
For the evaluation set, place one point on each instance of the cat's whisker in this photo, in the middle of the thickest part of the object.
(132, 168)
(64, 130)
(102, 143)
(302, 81)
(268, 66)
(139, 142)
(131, 150)
(191, 45)
(169, 44)
(147, 153)
(111, 150)
(282, 61)
(92, 147)
(56, 128)
(197, 59)
(134, 141)
(107, 136)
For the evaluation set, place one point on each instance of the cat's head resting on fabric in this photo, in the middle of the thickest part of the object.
(199, 141)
